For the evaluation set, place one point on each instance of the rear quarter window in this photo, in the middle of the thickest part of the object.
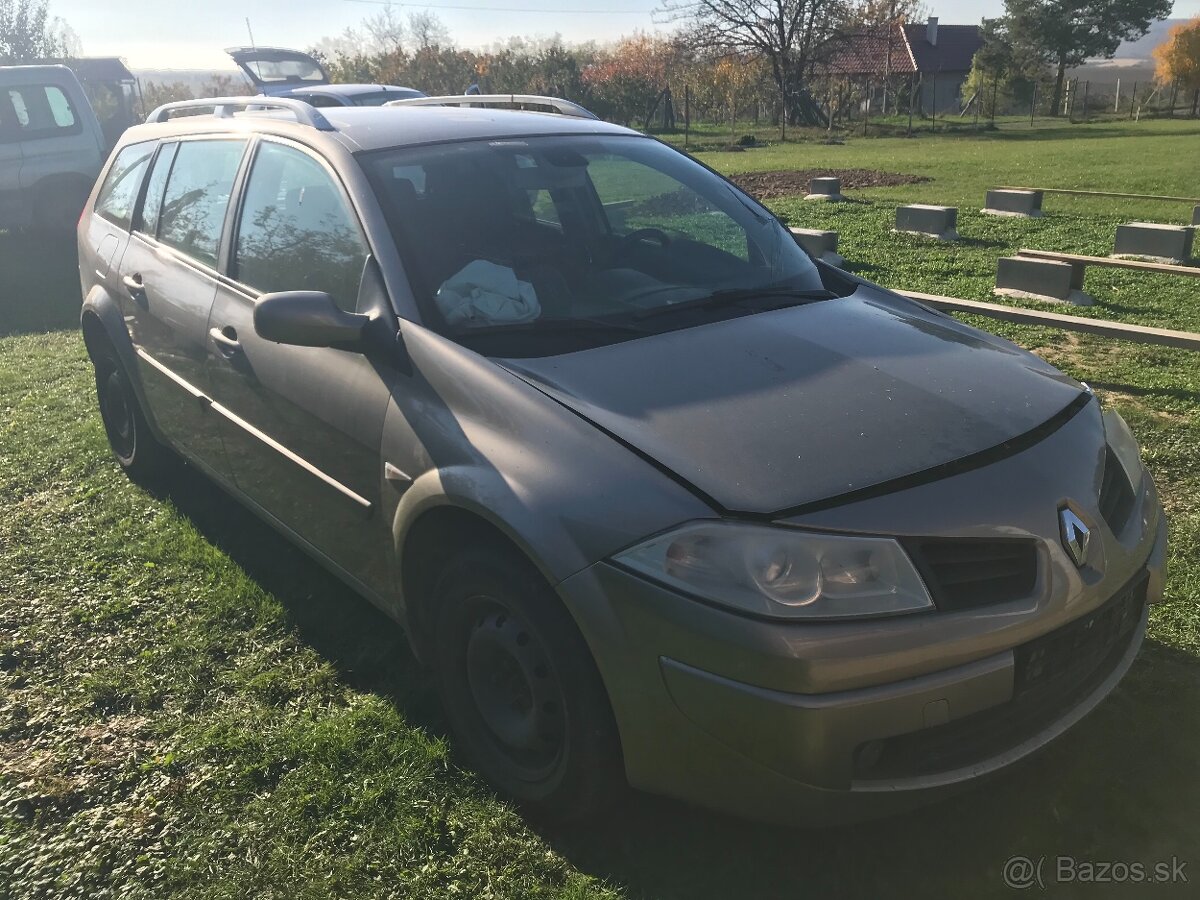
(119, 193)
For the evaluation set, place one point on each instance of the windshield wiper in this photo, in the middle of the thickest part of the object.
(734, 296)
(555, 325)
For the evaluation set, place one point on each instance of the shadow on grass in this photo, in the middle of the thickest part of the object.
(367, 647)
(39, 283)
(1121, 785)
(1138, 390)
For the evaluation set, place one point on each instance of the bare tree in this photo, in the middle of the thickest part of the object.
(785, 33)
(427, 31)
(384, 31)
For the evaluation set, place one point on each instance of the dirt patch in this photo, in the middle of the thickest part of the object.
(771, 185)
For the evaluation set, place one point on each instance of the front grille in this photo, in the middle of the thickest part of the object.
(1116, 493)
(1053, 674)
(963, 573)
(1069, 654)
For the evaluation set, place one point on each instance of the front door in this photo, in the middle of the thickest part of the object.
(169, 281)
(302, 425)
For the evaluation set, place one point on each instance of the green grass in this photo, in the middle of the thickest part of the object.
(189, 707)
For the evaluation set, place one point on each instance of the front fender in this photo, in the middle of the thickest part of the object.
(476, 437)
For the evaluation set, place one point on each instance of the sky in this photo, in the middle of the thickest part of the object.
(182, 34)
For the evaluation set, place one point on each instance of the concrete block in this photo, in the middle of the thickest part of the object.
(821, 244)
(1041, 279)
(827, 189)
(1149, 240)
(939, 222)
(1013, 203)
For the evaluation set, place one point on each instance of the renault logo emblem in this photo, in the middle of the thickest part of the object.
(1075, 535)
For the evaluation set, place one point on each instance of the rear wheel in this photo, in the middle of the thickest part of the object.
(520, 689)
(135, 448)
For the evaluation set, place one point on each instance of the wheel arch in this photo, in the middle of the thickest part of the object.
(103, 323)
(426, 543)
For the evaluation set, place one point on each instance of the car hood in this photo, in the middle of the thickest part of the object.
(770, 412)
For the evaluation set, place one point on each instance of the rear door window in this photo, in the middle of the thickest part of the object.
(119, 193)
(297, 230)
(197, 196)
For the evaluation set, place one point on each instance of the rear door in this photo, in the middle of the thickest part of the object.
(169, 281)
(302, 425)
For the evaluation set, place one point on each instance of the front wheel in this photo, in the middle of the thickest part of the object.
(520, 689)
(136, 449)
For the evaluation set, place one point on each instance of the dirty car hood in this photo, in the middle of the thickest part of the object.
(768, 412)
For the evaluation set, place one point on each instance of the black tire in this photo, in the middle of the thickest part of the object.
(519, 687)
(133, 444)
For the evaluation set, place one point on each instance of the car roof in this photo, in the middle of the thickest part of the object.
(378, 128)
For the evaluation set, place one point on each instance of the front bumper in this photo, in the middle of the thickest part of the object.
(766, 720)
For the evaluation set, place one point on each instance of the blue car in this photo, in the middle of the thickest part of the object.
(277, 72)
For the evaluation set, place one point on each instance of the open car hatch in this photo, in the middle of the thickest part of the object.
(274, 70)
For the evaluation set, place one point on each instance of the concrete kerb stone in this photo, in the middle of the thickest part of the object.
(821, 244)
(1171, 244)
(1023, 204)
(1048, 280)
(825, 189)
(939, 222)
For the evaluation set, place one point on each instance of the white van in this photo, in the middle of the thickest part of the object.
(51, 147)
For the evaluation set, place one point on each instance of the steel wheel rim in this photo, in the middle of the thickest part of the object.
(516, 692)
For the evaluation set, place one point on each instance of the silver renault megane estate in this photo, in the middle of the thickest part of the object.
(657, 498)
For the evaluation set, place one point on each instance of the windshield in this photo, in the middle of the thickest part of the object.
(545, 244)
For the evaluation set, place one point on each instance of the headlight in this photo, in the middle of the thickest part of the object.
(781, 572)
(1124, 446)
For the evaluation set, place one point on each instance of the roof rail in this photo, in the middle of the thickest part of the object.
(224, 108)
(566, 107)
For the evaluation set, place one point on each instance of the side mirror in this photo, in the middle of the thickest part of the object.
(307, 319)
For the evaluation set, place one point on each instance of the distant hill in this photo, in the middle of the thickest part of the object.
(1141, 49)
(193, 78)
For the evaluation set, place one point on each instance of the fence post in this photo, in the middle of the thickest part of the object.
(1117, 102)
(934, 103)
(1085, 100)
(912, 98)
(1033, 105)
(995, 89)
(687, 114)
(1132, 99)
(867, 108)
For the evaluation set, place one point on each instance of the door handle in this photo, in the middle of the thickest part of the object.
(226, 339)
(135, 286)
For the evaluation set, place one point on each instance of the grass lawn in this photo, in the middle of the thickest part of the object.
(189, 707)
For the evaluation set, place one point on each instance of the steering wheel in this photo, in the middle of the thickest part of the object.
(646, 235)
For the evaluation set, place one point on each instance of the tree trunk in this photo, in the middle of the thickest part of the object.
(1056, 103)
